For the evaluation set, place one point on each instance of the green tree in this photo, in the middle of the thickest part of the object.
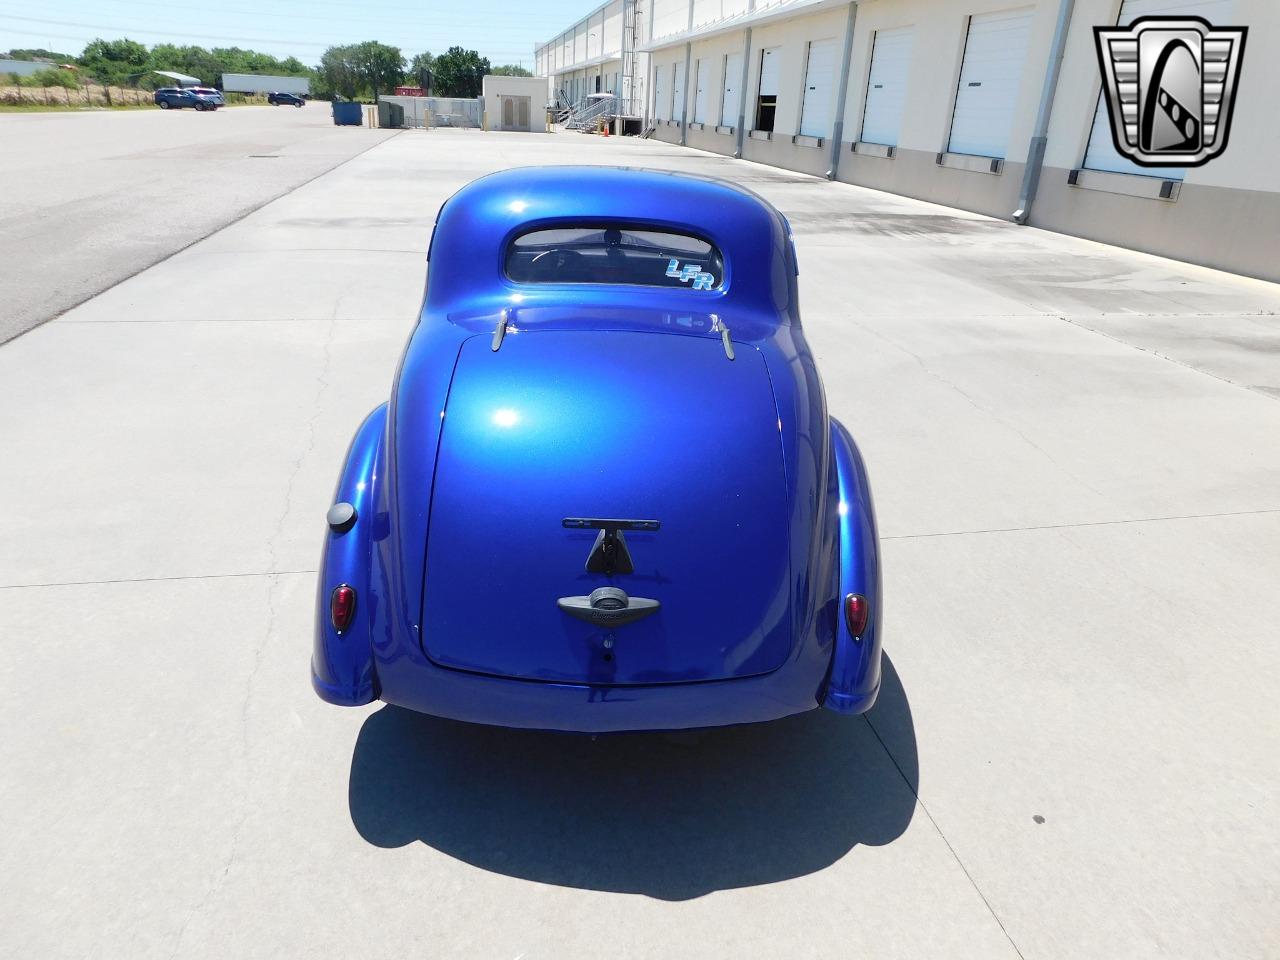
(114, 61)
(193, 61)
(337, 72)
(421, 70)
(510, 70)
(379, 66)
(460, 73)
(39, 53)
(360, 68)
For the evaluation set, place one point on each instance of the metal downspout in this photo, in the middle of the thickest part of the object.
(837, 132)
(742, 93)
(651, 74)
(684, 94)
(742, 96)
(1035, 150)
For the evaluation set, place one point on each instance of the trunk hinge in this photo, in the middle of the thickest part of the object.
(718, 324)
(499, 331)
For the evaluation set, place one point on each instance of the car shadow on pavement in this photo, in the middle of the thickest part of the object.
(672, 817)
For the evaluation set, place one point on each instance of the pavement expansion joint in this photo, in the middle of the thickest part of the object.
(938, 829)
(1151, 351)
(1085, 523)
(196, 576)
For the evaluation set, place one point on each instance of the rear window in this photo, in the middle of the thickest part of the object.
(614, 254)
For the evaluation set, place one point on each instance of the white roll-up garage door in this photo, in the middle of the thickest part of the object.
(995, 52)
(770, 69)
(677, 91)
(661, 99)
(702, 79)
(731, 99)
(819, 81)
(1101, 153)
(887, 85)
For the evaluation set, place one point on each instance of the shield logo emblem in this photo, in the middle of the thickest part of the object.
(1170, 85)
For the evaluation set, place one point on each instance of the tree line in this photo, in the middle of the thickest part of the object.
(357, 71)
(127, 63)
(365, 70)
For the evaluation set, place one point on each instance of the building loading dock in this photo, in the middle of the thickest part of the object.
(989, 105)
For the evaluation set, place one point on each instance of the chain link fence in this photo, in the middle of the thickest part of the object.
(439, 111)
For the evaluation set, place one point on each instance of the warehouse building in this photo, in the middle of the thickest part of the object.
(599, 54)
(988, 105)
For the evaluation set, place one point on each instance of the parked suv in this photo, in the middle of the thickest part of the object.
(175, 98)
(276, 99)
(211, 93)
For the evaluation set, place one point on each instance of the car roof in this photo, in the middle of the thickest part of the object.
(477, 223)
(531, 193)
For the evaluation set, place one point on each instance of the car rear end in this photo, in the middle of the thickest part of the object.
(210, 97)
(603, 496)
(562, 479)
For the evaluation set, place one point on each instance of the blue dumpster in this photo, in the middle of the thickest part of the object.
(347, 114)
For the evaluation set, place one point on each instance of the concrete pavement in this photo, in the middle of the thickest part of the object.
(92, 197)
(1075, 461)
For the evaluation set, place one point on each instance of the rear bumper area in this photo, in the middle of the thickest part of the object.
(531, 704)
(342, 696)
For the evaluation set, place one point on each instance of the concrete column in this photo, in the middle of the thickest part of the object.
(684, 106)
(651, 85)
(837, 131)
(684, 94)
(741, 131)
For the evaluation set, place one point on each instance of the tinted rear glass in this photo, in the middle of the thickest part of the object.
(614, 254)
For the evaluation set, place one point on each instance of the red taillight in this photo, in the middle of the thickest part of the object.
(856, 609)
(342, 607)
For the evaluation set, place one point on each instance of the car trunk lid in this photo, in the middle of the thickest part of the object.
(561, 425)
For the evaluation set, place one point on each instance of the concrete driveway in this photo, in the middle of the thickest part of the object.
(1076, 457)
(93, 197)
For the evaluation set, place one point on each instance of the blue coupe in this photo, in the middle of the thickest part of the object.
(605, 494)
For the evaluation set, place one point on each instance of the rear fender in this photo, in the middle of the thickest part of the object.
(854, 679)
(342, 669)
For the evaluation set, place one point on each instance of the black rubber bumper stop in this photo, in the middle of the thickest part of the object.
(341, 517)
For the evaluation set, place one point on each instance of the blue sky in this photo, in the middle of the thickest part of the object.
(505, 31)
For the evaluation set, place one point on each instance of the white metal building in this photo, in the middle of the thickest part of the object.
(958, 102)
(265, 83)
(599, 54)
(514, 103)
(25, 68)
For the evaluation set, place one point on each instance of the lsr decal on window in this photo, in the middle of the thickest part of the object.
(691, 271)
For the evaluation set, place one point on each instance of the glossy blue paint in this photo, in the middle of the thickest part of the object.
(603, 401)
(342, 663)
(524, 449)
(855, 667)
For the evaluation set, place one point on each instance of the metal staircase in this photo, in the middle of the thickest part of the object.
(560, 107)
(594, 110)
(589, 112)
